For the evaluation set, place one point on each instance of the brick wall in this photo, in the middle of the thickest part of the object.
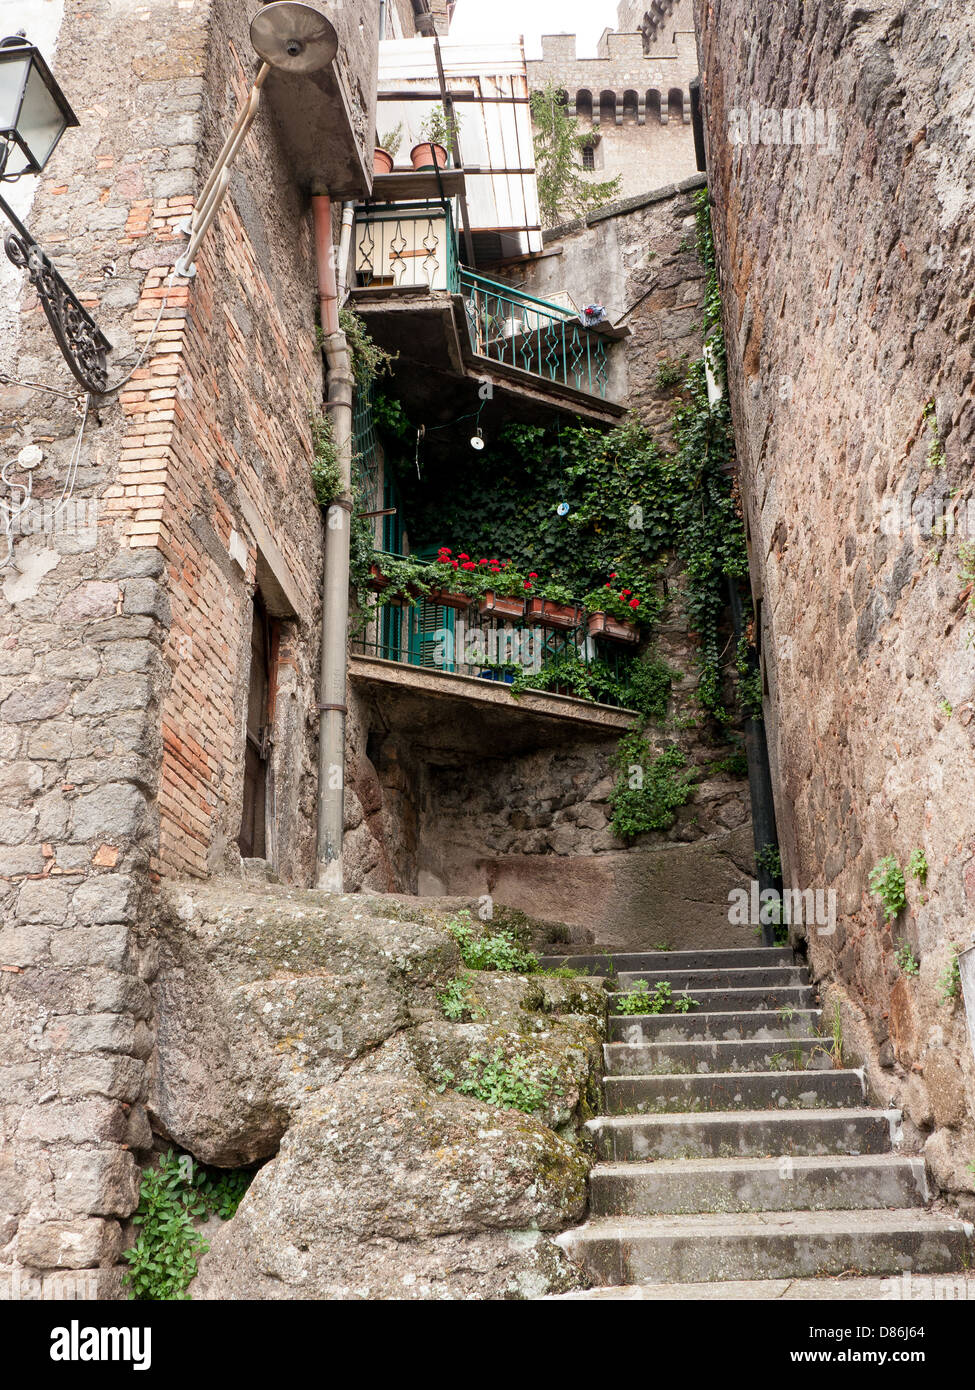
(125, 643)
(848, 308)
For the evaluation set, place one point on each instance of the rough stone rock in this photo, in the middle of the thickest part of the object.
(304, 1028)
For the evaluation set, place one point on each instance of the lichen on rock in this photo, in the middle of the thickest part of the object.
(305, 1030)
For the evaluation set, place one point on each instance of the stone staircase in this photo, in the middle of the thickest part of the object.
(735, 1161)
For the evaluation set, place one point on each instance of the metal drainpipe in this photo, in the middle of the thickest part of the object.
(340, 384)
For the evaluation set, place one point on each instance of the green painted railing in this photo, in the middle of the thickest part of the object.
(466, 642)
(533, 335)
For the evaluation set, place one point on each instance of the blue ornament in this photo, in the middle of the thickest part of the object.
(563, 509)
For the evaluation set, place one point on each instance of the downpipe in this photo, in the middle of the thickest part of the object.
(340, 385)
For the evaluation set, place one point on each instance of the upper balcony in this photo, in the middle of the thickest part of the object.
(432, 312)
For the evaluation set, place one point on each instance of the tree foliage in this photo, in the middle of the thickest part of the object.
(563, 190)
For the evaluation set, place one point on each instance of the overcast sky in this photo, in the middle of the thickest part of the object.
(508, 19)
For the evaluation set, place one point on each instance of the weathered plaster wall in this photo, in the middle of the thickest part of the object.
(846, 271)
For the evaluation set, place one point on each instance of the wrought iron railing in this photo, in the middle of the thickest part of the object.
(466, 642)
(533, 335)
(406, 246)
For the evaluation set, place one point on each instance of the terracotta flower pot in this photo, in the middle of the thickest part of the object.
(549, 614)
(602, 625)
(450, 600)
(501, 607)
(429, 155)
(377, 580)
(382, 161)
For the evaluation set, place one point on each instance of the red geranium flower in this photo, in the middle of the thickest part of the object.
(625, 593)
(613, 575)
(482, 562)
(463, 557)
(454, 564)
(533, 575)
(527, 585)
(634, 603)
(469, 565)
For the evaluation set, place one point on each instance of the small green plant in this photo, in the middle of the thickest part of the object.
(641, 999)
(835, 1050)
(457, 1000)
(966, 575)
(671, 372)
(750, 691)
(946, 708)
(504, 1081)
(917, 865)
(369, 360)
(173, 1195)
(936, 457)
(906, 960)
(887, 884)
(648, 790)
(498, 950)
(391, 141)
(440, 129)
(790, 1059)
(326, 476)
(949, 981)
(770, 859)
(787, 1013)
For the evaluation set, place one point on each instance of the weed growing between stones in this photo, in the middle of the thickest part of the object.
(887, 884)
(906, 960)
(949, 981)
(917, 865)
(641, 999)
(458, 1002)
(174, 1195)
(490, 950)
(504, 1081)
(648, 790)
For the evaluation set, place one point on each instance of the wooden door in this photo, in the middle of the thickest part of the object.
(253, 830)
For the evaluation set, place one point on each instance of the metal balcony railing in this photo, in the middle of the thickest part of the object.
(533, 335)
(406, 246)
(465, 642)
(414, 246)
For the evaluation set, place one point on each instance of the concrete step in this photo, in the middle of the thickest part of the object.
(745, 1133)
(760, 1024)
(699, 1058)
(767, 1245)
(766, 998)
(757, 1090)
(893, 1288)
(826, 1183)
(746, 978)
(609, 962)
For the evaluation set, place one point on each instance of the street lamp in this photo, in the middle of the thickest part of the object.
(34, 113)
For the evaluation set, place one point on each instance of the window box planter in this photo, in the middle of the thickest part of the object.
(501, 607)
(377, 580)
(549, 614)
(449, 600)
(602, 625)
(429, 155)
(506, 677)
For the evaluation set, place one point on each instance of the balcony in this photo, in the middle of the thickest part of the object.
(438, 316)
(471, 661)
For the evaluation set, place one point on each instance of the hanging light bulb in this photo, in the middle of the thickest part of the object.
(477, 439)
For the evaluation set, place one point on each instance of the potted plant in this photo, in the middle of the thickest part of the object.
(616, 612)
(401, 577)
(553, 606)
(384, 155)
(438, 135)
(504, 589)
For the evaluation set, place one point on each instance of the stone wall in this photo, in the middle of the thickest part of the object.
(125, 621)
(637, 258)
(636, 102)
(845, 263)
